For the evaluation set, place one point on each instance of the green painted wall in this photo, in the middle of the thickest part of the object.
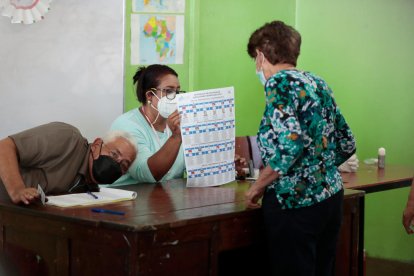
(365, 50)
(362, 48)
(222, 60)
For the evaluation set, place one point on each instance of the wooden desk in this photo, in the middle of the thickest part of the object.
(371, 179)
(168, 229)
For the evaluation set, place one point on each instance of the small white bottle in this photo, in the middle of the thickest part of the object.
(381, 158)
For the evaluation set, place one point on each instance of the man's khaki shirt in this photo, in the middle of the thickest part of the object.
(52, 155)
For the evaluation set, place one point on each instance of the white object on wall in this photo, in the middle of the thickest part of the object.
(24, 11)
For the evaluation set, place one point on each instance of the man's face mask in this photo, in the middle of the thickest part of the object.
(105, 169)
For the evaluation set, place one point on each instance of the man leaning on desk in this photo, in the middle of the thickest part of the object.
(58, 158)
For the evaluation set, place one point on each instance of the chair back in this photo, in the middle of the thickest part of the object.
(246, 146)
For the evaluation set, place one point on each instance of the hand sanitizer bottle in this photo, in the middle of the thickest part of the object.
(381, 158)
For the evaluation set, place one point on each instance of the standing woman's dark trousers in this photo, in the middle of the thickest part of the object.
(302, 241)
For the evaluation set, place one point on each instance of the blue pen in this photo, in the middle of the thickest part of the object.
(112, 212)
(92, 195)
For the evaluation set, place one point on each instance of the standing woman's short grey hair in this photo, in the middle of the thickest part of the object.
(280, 43)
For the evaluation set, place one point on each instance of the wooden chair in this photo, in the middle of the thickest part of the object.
(246, 146)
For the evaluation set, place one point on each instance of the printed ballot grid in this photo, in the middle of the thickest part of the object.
(208, 132)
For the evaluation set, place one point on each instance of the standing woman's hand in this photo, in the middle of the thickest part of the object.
(254, 194)
(173, 122)
(257, 189)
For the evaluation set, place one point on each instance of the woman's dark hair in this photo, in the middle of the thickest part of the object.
(280, 43)
(149, 77)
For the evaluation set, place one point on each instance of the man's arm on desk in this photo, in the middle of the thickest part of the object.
(408, 214)
(10, 174)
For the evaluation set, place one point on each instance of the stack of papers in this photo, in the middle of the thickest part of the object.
(105, 195)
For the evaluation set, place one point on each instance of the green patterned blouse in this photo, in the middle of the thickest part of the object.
(304, 137)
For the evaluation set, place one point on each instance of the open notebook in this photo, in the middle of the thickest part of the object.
(105, 195)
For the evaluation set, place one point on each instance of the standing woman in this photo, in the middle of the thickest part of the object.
(155, 125)
(303, 138)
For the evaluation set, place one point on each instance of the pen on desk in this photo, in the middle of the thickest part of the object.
(92, 195)
(112, 212)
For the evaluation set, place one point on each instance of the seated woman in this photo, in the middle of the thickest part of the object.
(156, 127)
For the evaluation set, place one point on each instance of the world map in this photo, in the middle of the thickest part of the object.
(162, 31)
(157, 38)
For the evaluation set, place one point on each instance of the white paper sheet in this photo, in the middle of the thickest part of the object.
(105, 195)
(208, 134)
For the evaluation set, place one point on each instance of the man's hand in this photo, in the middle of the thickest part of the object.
(25, 195)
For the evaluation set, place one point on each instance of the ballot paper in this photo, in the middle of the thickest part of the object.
(105, 195)
(208, 135)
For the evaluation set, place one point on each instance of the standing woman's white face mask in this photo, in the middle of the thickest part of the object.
(259, 64)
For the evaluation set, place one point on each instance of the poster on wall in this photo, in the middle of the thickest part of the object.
(157, 39)
(158, 6)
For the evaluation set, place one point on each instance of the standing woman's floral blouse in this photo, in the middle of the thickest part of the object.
(304, 137)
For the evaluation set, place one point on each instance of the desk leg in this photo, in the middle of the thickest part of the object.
(361, 236)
